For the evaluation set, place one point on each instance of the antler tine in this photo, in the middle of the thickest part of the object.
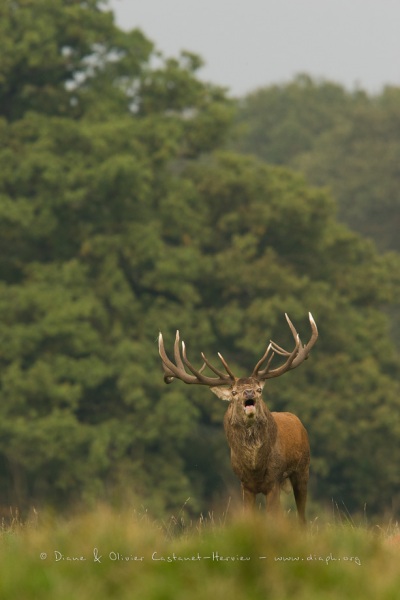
(170, 370)
(279, 350)
(177, 369)
(177, 354)
(263, 359)
(267, 374)
(214, 369)
(227, 368)
(212, 381)
(306, 349)
(195, 371)
(294, 358)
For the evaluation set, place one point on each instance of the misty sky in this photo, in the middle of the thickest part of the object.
(248, 44)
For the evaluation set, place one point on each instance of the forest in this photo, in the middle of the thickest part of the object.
(137, 198)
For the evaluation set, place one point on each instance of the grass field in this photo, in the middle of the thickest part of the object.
(109, 554)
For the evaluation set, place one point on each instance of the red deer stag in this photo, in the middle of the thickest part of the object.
(266, 448)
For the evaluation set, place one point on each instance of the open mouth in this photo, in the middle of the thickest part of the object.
(249, 403)
(249, 407)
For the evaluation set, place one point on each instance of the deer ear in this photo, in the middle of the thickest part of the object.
(223, 393)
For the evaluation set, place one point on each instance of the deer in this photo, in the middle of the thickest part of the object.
(267, 448)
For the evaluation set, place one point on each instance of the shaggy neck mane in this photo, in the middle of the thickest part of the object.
(261, 429)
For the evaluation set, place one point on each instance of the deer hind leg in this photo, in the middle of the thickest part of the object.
(299, 483)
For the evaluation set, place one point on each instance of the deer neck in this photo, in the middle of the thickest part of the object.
(240, 431)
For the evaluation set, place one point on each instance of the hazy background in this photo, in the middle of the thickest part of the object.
(251, 43)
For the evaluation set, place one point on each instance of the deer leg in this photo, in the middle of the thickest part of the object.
(299, 484)
(249, 498)
(273, 499)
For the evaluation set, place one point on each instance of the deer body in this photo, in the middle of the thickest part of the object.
(267, 448)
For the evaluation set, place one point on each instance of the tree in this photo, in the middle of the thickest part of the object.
(53, 52)
(346, 141)
(280, 122)
(358, 161)
(81, 176)
(120, 216)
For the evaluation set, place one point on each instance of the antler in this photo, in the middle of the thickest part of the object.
(294, 358)
(177, 369)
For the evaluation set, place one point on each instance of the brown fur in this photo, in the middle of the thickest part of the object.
(267, 448)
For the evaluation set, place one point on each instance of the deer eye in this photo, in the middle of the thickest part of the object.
(259, 390)
(234, 393)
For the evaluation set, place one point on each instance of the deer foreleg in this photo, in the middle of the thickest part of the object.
(249, 498)
(273, 499)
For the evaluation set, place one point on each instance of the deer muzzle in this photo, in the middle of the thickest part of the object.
(249, 404)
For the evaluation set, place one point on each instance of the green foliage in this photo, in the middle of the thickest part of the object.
(46, 51)
(347, 141)
(358, 160)
(282, 121)
(121, 216)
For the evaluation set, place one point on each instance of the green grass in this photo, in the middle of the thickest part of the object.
(108, 554)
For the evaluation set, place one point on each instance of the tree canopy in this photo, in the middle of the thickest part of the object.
(122, 214)
(345, 140)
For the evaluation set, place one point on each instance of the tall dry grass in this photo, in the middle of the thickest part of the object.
(127, 555)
